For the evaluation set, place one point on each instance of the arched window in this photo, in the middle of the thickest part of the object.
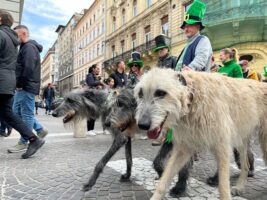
(123, 17)
(114, 23)
(134, 8)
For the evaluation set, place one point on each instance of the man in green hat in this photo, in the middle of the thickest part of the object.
(165, 60)
(197, 53)
(265, 74)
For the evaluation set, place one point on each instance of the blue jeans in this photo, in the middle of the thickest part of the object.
(23, 106)
(48, 103)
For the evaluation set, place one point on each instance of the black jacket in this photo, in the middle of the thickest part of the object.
(45, 94)
(167, 62)
(120, 79)
(8, 58)
(91, 81)
(29, 67)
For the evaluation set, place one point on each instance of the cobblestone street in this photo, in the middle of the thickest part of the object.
(61, 167)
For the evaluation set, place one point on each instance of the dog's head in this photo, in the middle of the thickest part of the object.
(80, 105)
(122, 110)
(161, 96)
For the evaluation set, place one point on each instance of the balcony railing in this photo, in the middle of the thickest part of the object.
(220, 14)
(144, 48)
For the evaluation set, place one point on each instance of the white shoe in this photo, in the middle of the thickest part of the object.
(143, 137)
(91, 133)
(99, 132)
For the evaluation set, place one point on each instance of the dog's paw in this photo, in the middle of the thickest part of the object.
(236, 191)
(125, 178)
(178, 190)
(86, 187)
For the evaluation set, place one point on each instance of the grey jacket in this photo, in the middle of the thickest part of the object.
(8, 60)
(167, 62)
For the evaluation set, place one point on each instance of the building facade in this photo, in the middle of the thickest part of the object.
(132, 25)
(15, 7)
(48, 68)
(89, 37)
(65, 54)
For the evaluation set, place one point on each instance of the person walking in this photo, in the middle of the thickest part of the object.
(49, 97)
(165, 59)
(197, 53)
(119, 76)
(92, 80)
(28, 72)
(8, 58)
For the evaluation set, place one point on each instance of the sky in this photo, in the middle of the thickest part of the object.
(42, 17)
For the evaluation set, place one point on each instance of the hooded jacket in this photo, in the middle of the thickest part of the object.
(8, 57)
(29, 67)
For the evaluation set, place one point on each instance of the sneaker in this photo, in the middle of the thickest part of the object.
(99, 132)
(17, 148)
(143, 137)
(33, 148)
(9, 131)
(42, 133)
(91, 133)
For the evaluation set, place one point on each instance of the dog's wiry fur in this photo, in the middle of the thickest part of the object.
(207, 111)
(92, 104)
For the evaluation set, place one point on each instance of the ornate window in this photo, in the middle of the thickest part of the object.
(134, 41)
(123, 17)
(165, 25)
(134, 8)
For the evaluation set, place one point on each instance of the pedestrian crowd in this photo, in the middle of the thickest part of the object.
(20, 75)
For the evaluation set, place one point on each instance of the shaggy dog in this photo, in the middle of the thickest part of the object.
(206, 111)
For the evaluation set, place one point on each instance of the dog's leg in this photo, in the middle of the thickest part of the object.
(250, 160)
(237, 190)
(223, 158)
(129, 162)
(118, 142)
(158, 162)
(180, 186)
(179, 157)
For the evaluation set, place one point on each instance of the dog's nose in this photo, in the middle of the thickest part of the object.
(144, 123)
(54, 114)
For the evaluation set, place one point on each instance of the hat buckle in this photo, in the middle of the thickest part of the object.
(186, 17)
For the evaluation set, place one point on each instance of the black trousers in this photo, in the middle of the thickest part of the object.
(90, 125)
(11, 119)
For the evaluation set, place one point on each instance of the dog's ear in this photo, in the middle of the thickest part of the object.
(182, 79)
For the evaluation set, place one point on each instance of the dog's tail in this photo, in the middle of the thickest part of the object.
(263, 140)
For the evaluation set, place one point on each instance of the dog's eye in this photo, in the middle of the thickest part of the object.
(119, 104)
(160, 93)
(140, 94)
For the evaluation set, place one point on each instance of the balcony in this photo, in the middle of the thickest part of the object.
(234, 22)
(144, 48)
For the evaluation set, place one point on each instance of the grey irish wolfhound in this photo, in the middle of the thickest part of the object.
(206, 111)
(117, 113)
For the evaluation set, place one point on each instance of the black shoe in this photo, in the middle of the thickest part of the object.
(2, 134)
(33, 148)
(9, 130)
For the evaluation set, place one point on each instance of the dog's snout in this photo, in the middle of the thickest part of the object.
(54, 114)
(144, 123)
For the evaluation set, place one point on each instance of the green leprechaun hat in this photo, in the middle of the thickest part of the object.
(265, 70)
(195, 14)
(135, 59)
(162, 41)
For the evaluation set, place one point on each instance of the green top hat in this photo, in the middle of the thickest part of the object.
(162, 41)
(195, 14)
(135, 59)
(265, 70)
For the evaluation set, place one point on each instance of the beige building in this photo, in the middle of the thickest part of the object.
(47, 68)
(133, 24)
(65, 54)
(15, 7)
(89, 36)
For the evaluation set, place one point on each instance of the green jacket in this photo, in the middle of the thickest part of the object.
(231, 69)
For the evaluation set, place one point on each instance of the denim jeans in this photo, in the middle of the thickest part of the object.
(48, 103)
(23, 106)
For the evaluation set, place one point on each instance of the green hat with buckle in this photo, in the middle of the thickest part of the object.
(265, 70)
(135, 59)
(195, 14)
(162, 41)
